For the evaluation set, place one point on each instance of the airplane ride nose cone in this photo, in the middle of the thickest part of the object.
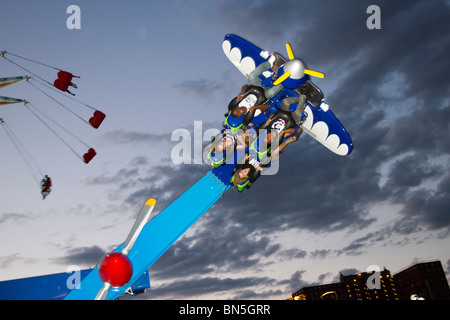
(296, 67)
(116, 269)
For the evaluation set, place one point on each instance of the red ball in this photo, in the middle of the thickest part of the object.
(116, 269)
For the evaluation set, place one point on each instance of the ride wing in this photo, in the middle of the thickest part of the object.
(323, 126)
(243, 54)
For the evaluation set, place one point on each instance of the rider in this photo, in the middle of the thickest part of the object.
(246, 173)
(280, 125)
(254, 79)
(223, 146)
(250, 101)
(281, 129)
(243, 108)
(255, 162)
(46, 184)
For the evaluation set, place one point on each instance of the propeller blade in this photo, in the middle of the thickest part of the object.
(289, 51)
(315, 73)
(283, 77)
(140, 222)
(103, 292)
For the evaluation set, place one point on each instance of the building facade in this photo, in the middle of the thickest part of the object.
(422, 280)
(425, 280)
(332, 291)
(370, 286)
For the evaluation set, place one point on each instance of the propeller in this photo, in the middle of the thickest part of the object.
(115, 269)
(281, 78)
(307, 71)
(295, 69)
(289, 51)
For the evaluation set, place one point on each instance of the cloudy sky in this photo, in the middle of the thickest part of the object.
(154, 67)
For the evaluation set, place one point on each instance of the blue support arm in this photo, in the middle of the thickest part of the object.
(159, 234)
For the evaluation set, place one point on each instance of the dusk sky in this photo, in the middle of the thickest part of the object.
(157, 66)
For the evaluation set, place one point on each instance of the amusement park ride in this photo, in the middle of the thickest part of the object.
(60, 86)
(273, 79)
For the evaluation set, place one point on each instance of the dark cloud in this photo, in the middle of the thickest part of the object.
(320, 254)
(363, 244)
(235, 288)
(418, 168)
(88, 256)
(228, 249)
(293, 253)
(13, 259)
(119, 177)
(430, 208)
(240, 288)
(311, 200)
(139, 161)
(295, 282)
(424, 130)
(165, 183)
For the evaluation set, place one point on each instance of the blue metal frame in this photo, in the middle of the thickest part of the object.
(159, 234)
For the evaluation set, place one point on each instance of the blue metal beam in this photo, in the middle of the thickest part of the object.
(159, 234)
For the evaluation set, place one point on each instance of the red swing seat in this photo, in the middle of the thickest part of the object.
(63, 81)
(89, 155)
